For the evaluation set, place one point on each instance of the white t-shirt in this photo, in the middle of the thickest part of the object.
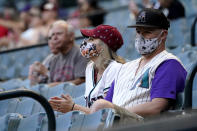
(94, 92)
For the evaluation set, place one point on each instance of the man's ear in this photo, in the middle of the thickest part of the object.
(164, 34)
(72, 36)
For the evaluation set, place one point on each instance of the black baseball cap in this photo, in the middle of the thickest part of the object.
(153, 18)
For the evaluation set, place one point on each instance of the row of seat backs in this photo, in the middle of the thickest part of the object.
(44, 89)
(71, 121)
(27, 106)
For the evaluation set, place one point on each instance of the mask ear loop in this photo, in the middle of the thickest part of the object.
(160, 36)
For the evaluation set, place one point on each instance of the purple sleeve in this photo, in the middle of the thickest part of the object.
(169, 80)
(110, 93)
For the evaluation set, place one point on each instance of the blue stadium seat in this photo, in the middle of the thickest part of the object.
(80, 100)
(128, 50)
(11, 84)
(57, 90)
(18, 61)
(96, 121)
(41, 89)
(65, 121)
(78, 90)
(176, 33)
(8, 106)
(37, 108)
(12, 106)
(32, 123)
(10, 122)
(3, 71)
(26, 83)
(190, 7)
(25, 107)
(77, 123)
(194, 93)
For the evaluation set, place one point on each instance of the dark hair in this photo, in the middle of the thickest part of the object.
(97, 17)
(93, 3)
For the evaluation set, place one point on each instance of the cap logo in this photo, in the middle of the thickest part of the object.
(141, 17)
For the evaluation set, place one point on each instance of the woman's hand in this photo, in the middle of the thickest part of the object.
(62, 104)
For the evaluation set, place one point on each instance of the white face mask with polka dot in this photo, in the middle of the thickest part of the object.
(146, 46)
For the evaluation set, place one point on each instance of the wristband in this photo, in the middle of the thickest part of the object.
(73, 106)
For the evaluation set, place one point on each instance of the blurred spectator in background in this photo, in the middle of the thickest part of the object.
(87, 14)
(49, 15)
(36, 29)
(172, 9)
(55, 2)
(66, 64)
(15, 25)
(133, 7)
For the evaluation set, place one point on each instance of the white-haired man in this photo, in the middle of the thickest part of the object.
(66, 62)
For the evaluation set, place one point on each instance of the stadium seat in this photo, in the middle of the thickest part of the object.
(96, 121)
(25, 107)
(10, 122)
(128, 50)
(18, 61)
(190, 7)
(65, 121)
(8, 106)
(43, 90)
(176, 33)
(57, 90)
(11, 84)
(74, 90)
(80, 100)
(32, 123)
(77, 123)
(186, 99)
(12, 106)
(194, 93)
(78, 90)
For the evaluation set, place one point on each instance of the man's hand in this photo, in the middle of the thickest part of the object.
(63, 104)
(37, 71)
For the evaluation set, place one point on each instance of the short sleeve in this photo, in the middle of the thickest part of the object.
(110, 93)
(169, 80)
(47, 60)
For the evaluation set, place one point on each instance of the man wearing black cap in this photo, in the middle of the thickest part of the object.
(148, 85)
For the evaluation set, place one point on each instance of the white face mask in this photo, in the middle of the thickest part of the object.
(146, 46)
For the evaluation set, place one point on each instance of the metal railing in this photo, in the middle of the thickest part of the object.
(27, 93)
(188, 87)
(193, 30)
